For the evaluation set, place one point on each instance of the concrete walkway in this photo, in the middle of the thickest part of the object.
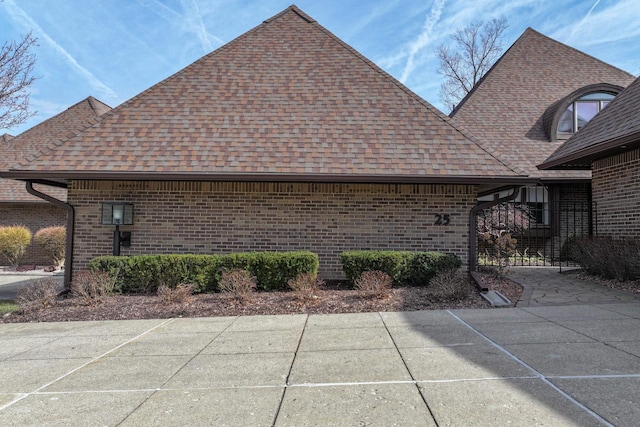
(548, 365)
(561, 365)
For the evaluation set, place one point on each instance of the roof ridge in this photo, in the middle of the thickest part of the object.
(446, 119)
(90, 121)
(526, 32)
(57, 143)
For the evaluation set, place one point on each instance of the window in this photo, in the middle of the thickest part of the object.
(583, 109)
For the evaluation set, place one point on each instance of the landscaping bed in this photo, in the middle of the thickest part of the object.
(328, 299)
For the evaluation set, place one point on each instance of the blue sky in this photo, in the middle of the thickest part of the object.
(115, 49)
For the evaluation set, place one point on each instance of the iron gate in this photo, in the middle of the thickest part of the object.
(531, 234)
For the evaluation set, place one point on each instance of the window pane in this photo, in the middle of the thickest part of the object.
(566, 121)
(585, 111)
(597, 96)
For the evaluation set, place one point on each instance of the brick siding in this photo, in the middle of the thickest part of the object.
(616, 190)
(34, 216)
(223, 217)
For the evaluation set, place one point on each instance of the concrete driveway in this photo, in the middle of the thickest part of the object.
(10, 284)
(544, 364)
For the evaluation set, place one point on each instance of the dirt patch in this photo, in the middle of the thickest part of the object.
(329, 299)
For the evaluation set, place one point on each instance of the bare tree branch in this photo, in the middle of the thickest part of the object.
(477, 47)
(16, 67)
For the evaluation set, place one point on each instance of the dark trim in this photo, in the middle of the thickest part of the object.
(583, 158)
(58, 176)
(68, 259)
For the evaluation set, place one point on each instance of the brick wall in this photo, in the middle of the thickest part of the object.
(34, 216)
(616, 190)
(215, 217)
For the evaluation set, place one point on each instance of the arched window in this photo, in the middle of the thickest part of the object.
(568, 115)
(583, 109)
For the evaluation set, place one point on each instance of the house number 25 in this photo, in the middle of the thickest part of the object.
(442, 219)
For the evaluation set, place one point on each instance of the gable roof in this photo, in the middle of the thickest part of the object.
(508, 109)
(285, 101)
(61, 126)
(614, 130)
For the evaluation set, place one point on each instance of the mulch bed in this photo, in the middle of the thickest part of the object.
(329, 299)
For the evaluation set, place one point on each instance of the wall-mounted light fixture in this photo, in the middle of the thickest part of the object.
(117, 213)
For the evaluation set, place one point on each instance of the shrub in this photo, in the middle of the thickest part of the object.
(610, 258)
(238, 282)
(182, 293)
(305, 285)
(145, 273)
(13, 243)
(272, 270)
(39, 294)
(448, 285)
(373, 283)
(404, 268)
(53, 242)
(424, 266)
(92, 286)
(392, 263)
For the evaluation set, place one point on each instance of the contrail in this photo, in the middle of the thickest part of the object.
(187, 22)
(20, 15)
(423, 39)
(577, 27)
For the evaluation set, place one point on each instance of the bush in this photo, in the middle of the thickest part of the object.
(448, 286)
(272, 270)
(39, 294)
(53, 241)
(373, 283)
(392, 263)
(145, 273)
(610, 258)
(403, 267)
(92, 286)
(182, 293)
(424, 266)
(305, 285)
(13, 243)
(238, 282)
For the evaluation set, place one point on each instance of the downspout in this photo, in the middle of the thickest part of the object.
(473, 235)
(68, 259)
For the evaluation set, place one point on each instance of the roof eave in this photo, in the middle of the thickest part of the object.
(582, 159)
(57, 177)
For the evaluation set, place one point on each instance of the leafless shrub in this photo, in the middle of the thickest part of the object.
(449, 285)
(92, 286)
(374, 283)
(305, 285)
(237, 282)
(39, 294)
(182, 293)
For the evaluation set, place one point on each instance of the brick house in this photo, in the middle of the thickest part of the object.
(17, 206)
(286, 138)
(534, 98)
(609, 145)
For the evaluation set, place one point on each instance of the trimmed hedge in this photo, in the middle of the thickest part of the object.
(404, 267)
(145, 273)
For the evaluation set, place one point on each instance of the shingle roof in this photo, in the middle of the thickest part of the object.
(506, 110)
(614, 130)
(285, 100)
(15, 149)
